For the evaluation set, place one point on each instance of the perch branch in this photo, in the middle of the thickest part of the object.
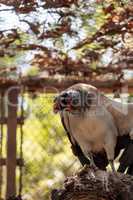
(94, 184)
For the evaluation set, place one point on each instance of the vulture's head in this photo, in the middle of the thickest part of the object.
(72, 100)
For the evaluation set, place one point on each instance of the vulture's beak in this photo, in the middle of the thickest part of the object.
(62, 102)
(68, 101)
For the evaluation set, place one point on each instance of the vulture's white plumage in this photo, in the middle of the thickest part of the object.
(93, 120)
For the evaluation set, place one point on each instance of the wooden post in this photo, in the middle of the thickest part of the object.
(11, 143)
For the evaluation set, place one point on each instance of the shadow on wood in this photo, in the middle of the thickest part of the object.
(94, 184)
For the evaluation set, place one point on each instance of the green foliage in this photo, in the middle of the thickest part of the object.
(47, 152)
(33, 71)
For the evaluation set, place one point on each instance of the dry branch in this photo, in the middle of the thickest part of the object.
(94, 184)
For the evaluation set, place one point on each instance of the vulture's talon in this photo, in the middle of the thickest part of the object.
(111, 162)
(93, 166)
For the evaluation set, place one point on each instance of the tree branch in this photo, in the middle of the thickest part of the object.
(94, 184)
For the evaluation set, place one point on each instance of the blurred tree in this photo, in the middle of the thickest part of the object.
(60, 34)
(47, 152)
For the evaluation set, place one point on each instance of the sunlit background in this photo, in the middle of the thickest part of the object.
(57, 33)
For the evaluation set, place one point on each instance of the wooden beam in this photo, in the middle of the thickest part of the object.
(11, 144)
(52, 84)
(3, 120)
(19, 162)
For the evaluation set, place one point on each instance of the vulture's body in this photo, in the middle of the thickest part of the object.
(90, 132)
(96, 127)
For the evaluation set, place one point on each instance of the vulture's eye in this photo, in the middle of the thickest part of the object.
(70, 98)
(76, 99)
(64, 99)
